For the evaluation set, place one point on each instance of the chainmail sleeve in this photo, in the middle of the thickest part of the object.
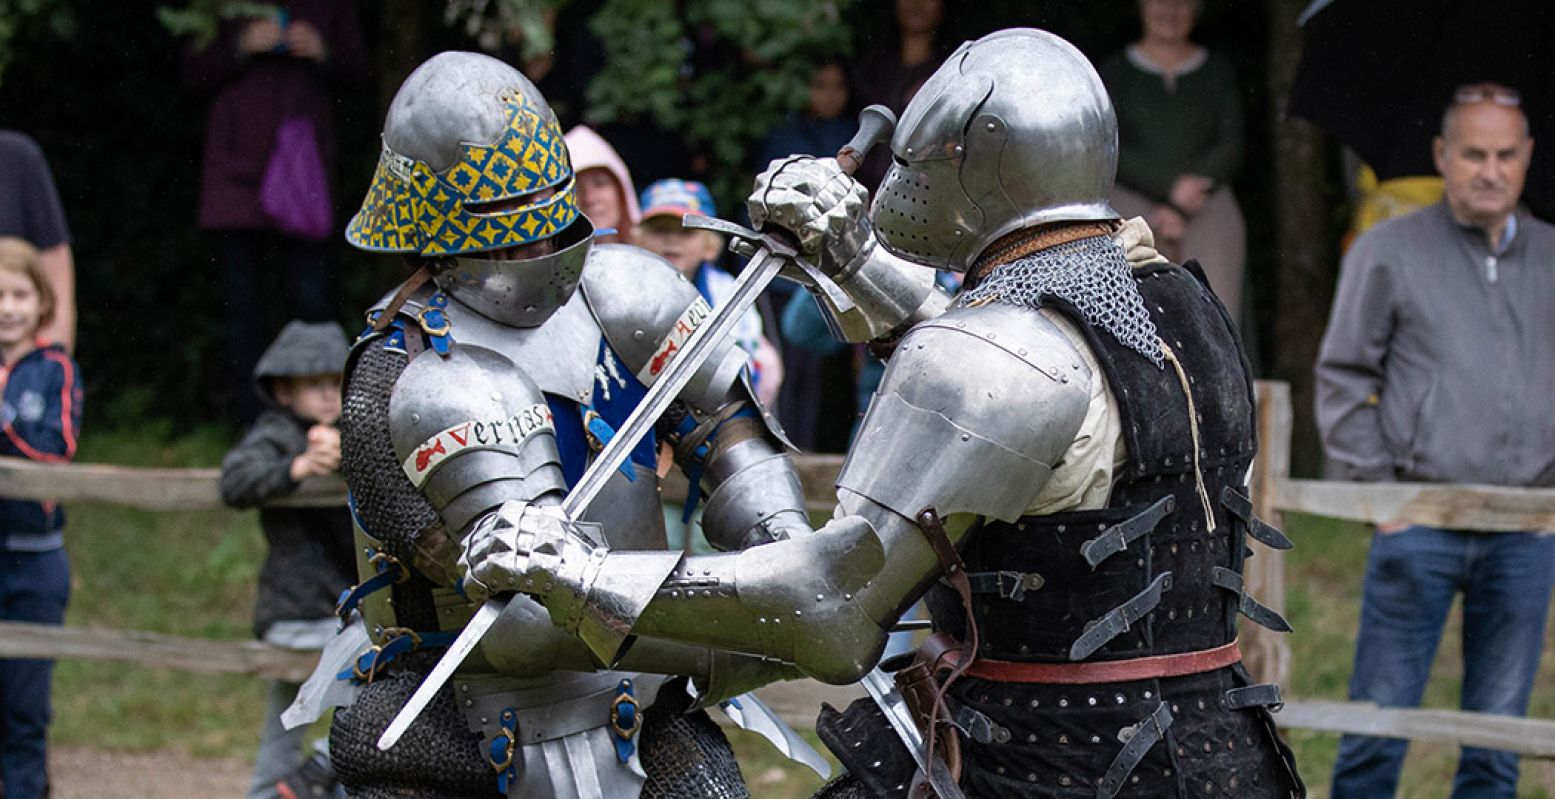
(392, 510)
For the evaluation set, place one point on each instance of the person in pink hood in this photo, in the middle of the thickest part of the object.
(605, 191)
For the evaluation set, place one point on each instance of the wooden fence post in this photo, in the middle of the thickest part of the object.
(1265, 652)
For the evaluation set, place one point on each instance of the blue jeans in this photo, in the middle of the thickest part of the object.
(34, 587)
(1411, 578)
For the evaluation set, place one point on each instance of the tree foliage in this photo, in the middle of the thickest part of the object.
(722, 73)
(55, 18)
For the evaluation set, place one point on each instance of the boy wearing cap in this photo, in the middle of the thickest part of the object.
(693, 252)
(310, 556)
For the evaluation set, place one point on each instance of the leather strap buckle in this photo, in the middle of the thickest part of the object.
(1255, 611)
(1011, 585)
(1116, 538)
(1118, 620)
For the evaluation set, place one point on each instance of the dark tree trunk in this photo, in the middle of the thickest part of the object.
(1307, 257)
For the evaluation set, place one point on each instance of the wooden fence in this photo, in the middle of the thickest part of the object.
(1471, 507)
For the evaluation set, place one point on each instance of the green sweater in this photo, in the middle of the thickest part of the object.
(1195, 129)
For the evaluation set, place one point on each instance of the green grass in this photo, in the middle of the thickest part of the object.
(193, 574)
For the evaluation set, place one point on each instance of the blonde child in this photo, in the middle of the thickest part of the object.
(40, 414)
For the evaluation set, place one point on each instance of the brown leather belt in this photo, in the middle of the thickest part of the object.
(1146, 668)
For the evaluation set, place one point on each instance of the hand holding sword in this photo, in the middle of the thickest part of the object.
(769, 253)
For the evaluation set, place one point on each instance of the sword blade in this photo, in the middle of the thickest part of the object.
(457, 652)
(883, 690)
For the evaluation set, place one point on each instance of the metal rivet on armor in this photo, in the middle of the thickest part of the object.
(1063, 702)
(1022, 351)
(820, 597)
(706, 593)
(1118, 698)
(1063, 378)
(966, 437)
(1181, 750)
(1171, 615)
(1166, 772)
(875, 764)
(847, 597)
(761, 620)
(1175, 708)
(1091, 700)
(1031, 738)
(1168, 461)
(1174, 549)
(415, 417)
(469, 703)
(1063, 779)
(1031, 777)
(1201, 706)
(674, 594)
(1140, 563)
(909, 151)
(484, 720)
(1036, 703)
(1022, 526)
(637, 335)
(991, 336)
(1060, 528)
(992, 126)
(1095, 739)
(464, 688)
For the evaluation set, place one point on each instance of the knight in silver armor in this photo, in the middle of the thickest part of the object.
(1059, 459)
(486, 382)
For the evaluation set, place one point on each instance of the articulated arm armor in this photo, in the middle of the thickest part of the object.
(823, 602)
(723, 439)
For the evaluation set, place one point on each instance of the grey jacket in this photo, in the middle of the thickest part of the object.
(1439, 360)
(310, 556)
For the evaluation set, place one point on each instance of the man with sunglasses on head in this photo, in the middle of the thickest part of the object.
(1436, 367)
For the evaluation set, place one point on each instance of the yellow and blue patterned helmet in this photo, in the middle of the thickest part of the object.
(468, 145)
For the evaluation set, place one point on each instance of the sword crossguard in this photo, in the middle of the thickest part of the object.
(741, 234)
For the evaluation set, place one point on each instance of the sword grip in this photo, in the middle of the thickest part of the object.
(875, 124)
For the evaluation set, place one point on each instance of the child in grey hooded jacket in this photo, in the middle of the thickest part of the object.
(310, 558)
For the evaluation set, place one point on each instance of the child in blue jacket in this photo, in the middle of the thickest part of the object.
(40, 414)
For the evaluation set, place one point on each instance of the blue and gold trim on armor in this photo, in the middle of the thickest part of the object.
(411, 209)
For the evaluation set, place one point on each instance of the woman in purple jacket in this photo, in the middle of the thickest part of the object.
(272, 82)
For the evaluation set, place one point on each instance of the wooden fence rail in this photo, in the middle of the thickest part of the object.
(1472, 507)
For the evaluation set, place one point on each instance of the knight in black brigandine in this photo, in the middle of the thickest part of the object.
(492, 376)
(1059, 460)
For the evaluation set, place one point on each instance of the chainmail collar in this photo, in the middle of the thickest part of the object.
(1089, 273)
